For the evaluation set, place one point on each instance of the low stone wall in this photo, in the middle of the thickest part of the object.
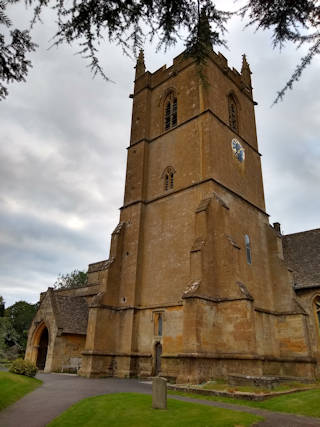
(269, 382)
(234, 395)
(196, 369)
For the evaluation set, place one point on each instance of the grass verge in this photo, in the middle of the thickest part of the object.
(13, 387)
(301, 403)
(134, 410)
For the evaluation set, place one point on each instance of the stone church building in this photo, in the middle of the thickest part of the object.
(198, 284)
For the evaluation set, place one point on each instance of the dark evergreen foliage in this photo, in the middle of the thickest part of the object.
(14, 326)
(129, 23)
(20, 315)
(2, 306)
(296, 21)
(14, 64)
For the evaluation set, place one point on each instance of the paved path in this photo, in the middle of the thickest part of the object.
(59, 391)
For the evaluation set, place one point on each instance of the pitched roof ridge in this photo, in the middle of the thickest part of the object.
(301, 232)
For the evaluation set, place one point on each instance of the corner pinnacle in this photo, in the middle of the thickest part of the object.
(246, 72)
(140, 66)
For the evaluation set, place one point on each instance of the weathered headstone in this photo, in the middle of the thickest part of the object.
(159, 393)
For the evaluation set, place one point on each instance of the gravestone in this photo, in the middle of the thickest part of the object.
(159, 393)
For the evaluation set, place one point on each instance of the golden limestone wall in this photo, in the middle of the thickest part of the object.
(306, 298)
(180, 253)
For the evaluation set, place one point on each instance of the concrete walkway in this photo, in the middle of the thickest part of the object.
(59, 392)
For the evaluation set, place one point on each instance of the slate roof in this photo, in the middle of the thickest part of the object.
(72, 314)
(302, 254)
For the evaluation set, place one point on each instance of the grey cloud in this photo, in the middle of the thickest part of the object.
(63, 138)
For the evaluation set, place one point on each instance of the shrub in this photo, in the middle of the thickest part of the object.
(23, 367)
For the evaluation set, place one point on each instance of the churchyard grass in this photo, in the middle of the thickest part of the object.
(302, 403)
(131, 409)
(13, 387)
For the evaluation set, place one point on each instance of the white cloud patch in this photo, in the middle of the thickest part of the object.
(63, 157)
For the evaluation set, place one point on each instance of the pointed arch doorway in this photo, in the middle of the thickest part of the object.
(42, 349)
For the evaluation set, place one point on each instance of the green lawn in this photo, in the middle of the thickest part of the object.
(302, 403)
(13, 387)
(134, 410)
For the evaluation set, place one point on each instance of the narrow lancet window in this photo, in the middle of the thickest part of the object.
(248, 249)
(171, 180)
(170, 112)
(158, 324)
(233, 113)
(167, 119)
(174, 112)
(168, 178)
(166, 182)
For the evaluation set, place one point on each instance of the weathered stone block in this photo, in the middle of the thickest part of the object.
(159, 393)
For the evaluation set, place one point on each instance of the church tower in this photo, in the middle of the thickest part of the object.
(195, 286)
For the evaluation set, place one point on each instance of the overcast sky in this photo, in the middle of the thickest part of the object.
(63, 153)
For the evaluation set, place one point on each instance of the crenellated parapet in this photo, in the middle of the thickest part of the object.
(145, 79)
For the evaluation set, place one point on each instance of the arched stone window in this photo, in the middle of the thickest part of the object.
(170, 111)
(317, 310)
(168, 178)
(233, 113)
(248, 249)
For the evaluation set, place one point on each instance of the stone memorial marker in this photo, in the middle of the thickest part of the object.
(159, 393)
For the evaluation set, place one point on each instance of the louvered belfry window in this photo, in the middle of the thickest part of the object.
(166, 182)
(170, 112)
(233, 113)
(171, 180)
(168, 177)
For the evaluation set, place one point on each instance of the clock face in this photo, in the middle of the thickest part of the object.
(238, 150)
